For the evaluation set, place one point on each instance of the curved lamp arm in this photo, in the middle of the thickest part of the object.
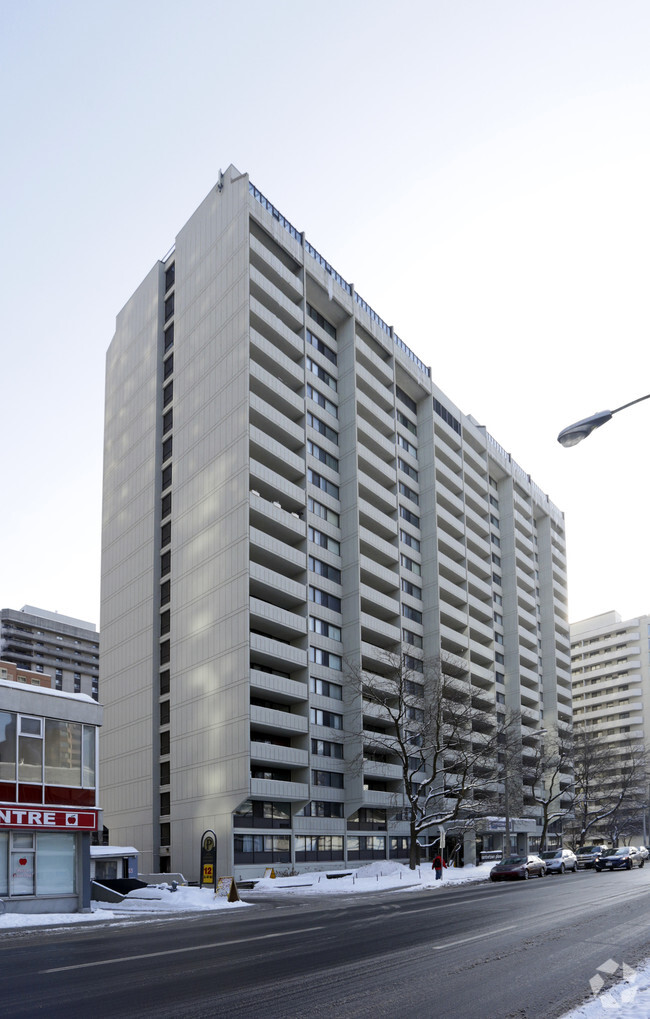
(575, 433)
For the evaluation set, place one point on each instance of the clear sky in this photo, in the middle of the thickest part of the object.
(480, 169)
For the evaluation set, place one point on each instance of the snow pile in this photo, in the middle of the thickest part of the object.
(382, 875)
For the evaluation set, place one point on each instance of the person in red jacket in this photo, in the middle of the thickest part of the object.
(438, 864)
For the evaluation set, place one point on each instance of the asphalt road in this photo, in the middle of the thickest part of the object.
(522, 950)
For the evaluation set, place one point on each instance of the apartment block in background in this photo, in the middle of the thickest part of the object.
(64, 648)
(287, 490)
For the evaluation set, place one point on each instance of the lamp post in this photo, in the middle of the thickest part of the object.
(575, 433)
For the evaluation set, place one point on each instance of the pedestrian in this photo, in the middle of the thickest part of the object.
(438, 864)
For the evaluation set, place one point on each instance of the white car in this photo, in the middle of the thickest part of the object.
(559, 860)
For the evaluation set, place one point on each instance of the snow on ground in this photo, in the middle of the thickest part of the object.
(627, 999)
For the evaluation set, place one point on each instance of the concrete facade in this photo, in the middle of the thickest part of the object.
(287, 490)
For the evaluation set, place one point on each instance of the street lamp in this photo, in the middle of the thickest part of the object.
(573, 434)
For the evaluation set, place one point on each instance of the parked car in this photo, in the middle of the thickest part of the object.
(623, 858)
(559, 860)
(644, 851)
(588, 855)
(514, 867)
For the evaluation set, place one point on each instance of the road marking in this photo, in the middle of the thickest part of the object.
(475, 937)
(177, 951)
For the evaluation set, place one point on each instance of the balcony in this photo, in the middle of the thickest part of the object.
(276, 653)
(274, 587)
(276, 621)
(270, 753)
(276, 488)
(276, 555)
(274, 522)
(269, 789)
(277, 688)
(269, 325)
(377, 549)
(272, 720)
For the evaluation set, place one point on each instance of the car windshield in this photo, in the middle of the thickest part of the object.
(552, 855)
(515, 859)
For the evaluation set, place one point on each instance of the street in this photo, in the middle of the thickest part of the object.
(516, 949)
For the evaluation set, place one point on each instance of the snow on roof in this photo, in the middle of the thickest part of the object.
(103, 851)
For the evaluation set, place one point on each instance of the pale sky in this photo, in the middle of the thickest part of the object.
(479, 170)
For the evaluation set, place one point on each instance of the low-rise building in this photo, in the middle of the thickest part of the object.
(49, 801)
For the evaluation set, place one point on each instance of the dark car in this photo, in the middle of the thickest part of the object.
(623, 858)
(514, 867)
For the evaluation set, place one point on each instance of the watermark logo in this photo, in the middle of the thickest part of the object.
(623, 993)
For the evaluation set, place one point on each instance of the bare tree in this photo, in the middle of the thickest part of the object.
(426, 718)
(610, 784)
(548, 775)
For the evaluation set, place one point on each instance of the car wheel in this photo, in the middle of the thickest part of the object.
(562, 868)
(641, 864)
(542, 872)
(628, 865)
(526, 875)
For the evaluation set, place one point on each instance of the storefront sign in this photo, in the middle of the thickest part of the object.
(53, 820)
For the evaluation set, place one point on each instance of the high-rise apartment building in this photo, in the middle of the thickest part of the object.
(64, 648)
(610, 670)
(287, 492)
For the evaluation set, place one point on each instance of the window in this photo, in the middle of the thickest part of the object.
(168, 366)
(321, 347)
(324, 570)
(325, 629)
(411, 638)
(406, 400)
(415, 665)
(164, 682)
(412, 614)
(166, 534)
(404, 420)
(320, 373)
(319, 717)
(408, 446)
(323, 540)
(166, 505)
(406, 467)
(164, 712)
(169, 307)
(167, 448)
(165, 563)
(164, 773)
(496, 559)
(325, 688)
(168, 394)
(410, 564)
(322, 322)
(409, 493)
(411, 518)
(164, 742)
(165, 622)
(168, 421)
(325, 599)
(446, 416)
(170, 276)
(77, 682)
(411, 589)
(167, 476)
(322, 401)
(501, 699)
(320, 426)
(165, 803)
(322, 455)
(409, 540)
(321, 808)
(333, 779)
(169, 337)
(330, 661)
(325, 748)
(320, 482)
(324, 512)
